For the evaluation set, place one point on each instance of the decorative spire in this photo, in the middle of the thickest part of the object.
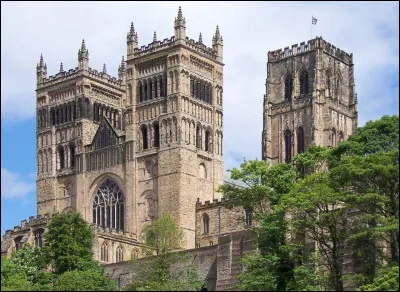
(180, 20)
(200, 39)
(83, 52)
(123, 63)
(217, 38)
(61, 67)
(41, 60)
(154, 37)
(104, 69)
(132, 35)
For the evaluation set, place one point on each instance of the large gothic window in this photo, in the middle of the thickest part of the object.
(288, 146)
(334, 137)
(304, 83)
(108, 206)
(341, 137)
(198, 137)
(18, 242)
(288, 87)
(300, 140)
(61, 158)
(208, 141)
(248, 219)
(72, 155)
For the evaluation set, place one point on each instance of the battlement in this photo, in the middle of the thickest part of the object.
(27, 224)
(311, 45)
(72, 73)
(167, 43)
(208, 204)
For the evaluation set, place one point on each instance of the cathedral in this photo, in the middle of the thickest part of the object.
(120, 150)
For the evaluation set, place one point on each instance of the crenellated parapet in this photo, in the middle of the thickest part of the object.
(210, 204)
(311, 45)
(154, 47)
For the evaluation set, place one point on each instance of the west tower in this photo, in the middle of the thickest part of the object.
(310, 99)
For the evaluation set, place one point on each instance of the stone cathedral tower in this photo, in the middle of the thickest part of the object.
(122, 150)
(309, 100)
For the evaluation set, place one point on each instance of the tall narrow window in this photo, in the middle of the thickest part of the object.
(130, 94)
(61, 158)
(337, 87)
(140, 93)
(72, 155)
(288, 146)
(341, 137)
(334, 137)
(191, 87)
(328, 83)
(288, 87)
(156, 131)
(120, 254)
(300, 140)
(304, 83)
(39, 237)
(198, 137)
(208, 141)
(104, 253)
(144, 137)
(206, 224)
(248, 217)
(145, 91)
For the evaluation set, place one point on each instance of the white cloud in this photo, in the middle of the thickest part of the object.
(369, 30)
(13, 187)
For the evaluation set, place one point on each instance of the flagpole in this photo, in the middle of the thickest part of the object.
(311, 25)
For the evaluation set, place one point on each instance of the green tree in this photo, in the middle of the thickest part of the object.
(169, 270)
(88, 277)
(387, 280)
(67, 242)
(13, 278)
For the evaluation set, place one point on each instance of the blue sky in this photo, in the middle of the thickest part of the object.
(369, 30)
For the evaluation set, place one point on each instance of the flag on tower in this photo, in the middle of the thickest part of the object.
(313, 20)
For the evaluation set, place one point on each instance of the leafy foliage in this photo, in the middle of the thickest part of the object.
(90, 277)
(169, 270)
(387, 280)
(12, 278)
(67, 242)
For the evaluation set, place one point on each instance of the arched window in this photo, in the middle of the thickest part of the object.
(144, 137)
(119, 254)
(288, 146)
(18, 242)
(130, 94)
(140, 93)
(191, 87)
(156, 131)
(337, 86)
(135, 254)
(208, 141)
(108, 206)
(61, 158)
(72, 155)
(334, 137)
(206, 224)
(198, 137)
(328, 83)
(300, 140)
(145, 91)
(104, 252)
(248, 217)
(341, 137)
(39, 237)
(288, 87)
(304, 83)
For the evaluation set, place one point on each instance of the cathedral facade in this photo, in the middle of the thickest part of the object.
(121, 150)
(310, 99)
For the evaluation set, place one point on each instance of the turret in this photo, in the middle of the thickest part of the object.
(131, 41)
(217, 44)
(122, 71)
(83, 57)
(200, 39)
(180, 26)
(41, 70)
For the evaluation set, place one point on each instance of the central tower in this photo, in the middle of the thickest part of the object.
(174, 118)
